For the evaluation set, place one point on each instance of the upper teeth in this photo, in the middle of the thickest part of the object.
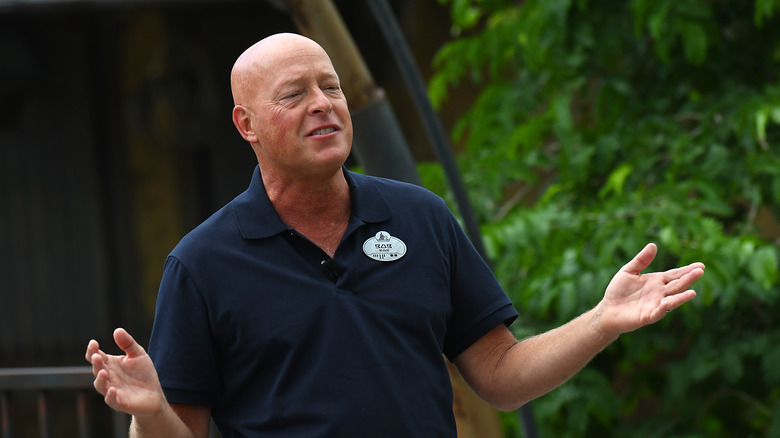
(323, 131)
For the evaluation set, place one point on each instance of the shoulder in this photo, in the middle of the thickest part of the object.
(217, 230)
(398, 193)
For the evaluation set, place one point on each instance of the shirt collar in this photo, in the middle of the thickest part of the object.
(257, 219)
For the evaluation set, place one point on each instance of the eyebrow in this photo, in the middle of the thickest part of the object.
(303, 73)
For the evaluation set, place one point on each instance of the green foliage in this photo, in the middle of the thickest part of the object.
(601, 126)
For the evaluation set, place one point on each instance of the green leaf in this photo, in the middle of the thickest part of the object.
(762, 116)
(695, 42)
(763, 267)
(616, 181)
(764, 9)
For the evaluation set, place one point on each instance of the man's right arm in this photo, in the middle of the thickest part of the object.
(176, 420)
(129, 383)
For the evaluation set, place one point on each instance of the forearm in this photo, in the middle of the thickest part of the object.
(537, 365)
(166, 424)
(522, 371)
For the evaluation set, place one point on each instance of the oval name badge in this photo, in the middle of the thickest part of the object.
(384, 247)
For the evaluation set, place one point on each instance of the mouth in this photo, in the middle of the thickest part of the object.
(323, 131)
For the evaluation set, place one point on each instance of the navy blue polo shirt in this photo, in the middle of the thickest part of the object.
(258, 323)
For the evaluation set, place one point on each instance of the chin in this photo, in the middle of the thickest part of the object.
(334, 156)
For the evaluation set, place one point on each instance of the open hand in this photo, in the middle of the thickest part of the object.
(128, 382)
(633, 299)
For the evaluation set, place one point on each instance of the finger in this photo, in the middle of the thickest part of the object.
(115, 401)
(127, 343)
(674, 301)
(684, 281)
(99, 361)
(674, 274)
(111, 398)
(101, 382)
(642, 260)
(92, 348)
(670, 303)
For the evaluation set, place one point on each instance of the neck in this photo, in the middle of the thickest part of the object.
(317, 209)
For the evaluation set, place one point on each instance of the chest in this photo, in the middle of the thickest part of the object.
(323, 230)
(293, 294)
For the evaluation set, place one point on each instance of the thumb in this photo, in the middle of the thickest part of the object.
(127, 343)
(642, 260)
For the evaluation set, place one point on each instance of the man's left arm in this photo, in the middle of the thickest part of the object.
(508, 373)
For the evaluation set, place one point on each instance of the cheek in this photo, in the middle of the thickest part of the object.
(280, 124)
(342, 110)
(276, 117)
(348, 132)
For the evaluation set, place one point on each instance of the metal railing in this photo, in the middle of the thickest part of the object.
(43, 383)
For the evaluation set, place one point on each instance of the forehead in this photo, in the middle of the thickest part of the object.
(296, 62)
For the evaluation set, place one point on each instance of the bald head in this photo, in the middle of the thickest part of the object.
(263, 57)
(289, 106)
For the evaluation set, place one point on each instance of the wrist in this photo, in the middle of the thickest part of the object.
(601, 327)
(152, 414)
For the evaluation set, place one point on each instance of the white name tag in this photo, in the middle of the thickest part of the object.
(384, 247)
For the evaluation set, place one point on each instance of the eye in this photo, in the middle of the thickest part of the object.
(290, 95)
(332, 88)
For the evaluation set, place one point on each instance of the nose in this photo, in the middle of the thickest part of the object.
(320, 103)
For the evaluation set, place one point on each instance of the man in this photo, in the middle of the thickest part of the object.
(319, 302)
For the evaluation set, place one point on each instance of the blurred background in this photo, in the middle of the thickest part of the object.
(582, 131)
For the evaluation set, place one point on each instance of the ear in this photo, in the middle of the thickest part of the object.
(243, 122)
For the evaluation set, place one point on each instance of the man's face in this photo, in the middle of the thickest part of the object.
(299, 112)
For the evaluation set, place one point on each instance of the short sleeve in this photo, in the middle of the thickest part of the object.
(181, 345)
(479, 303)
